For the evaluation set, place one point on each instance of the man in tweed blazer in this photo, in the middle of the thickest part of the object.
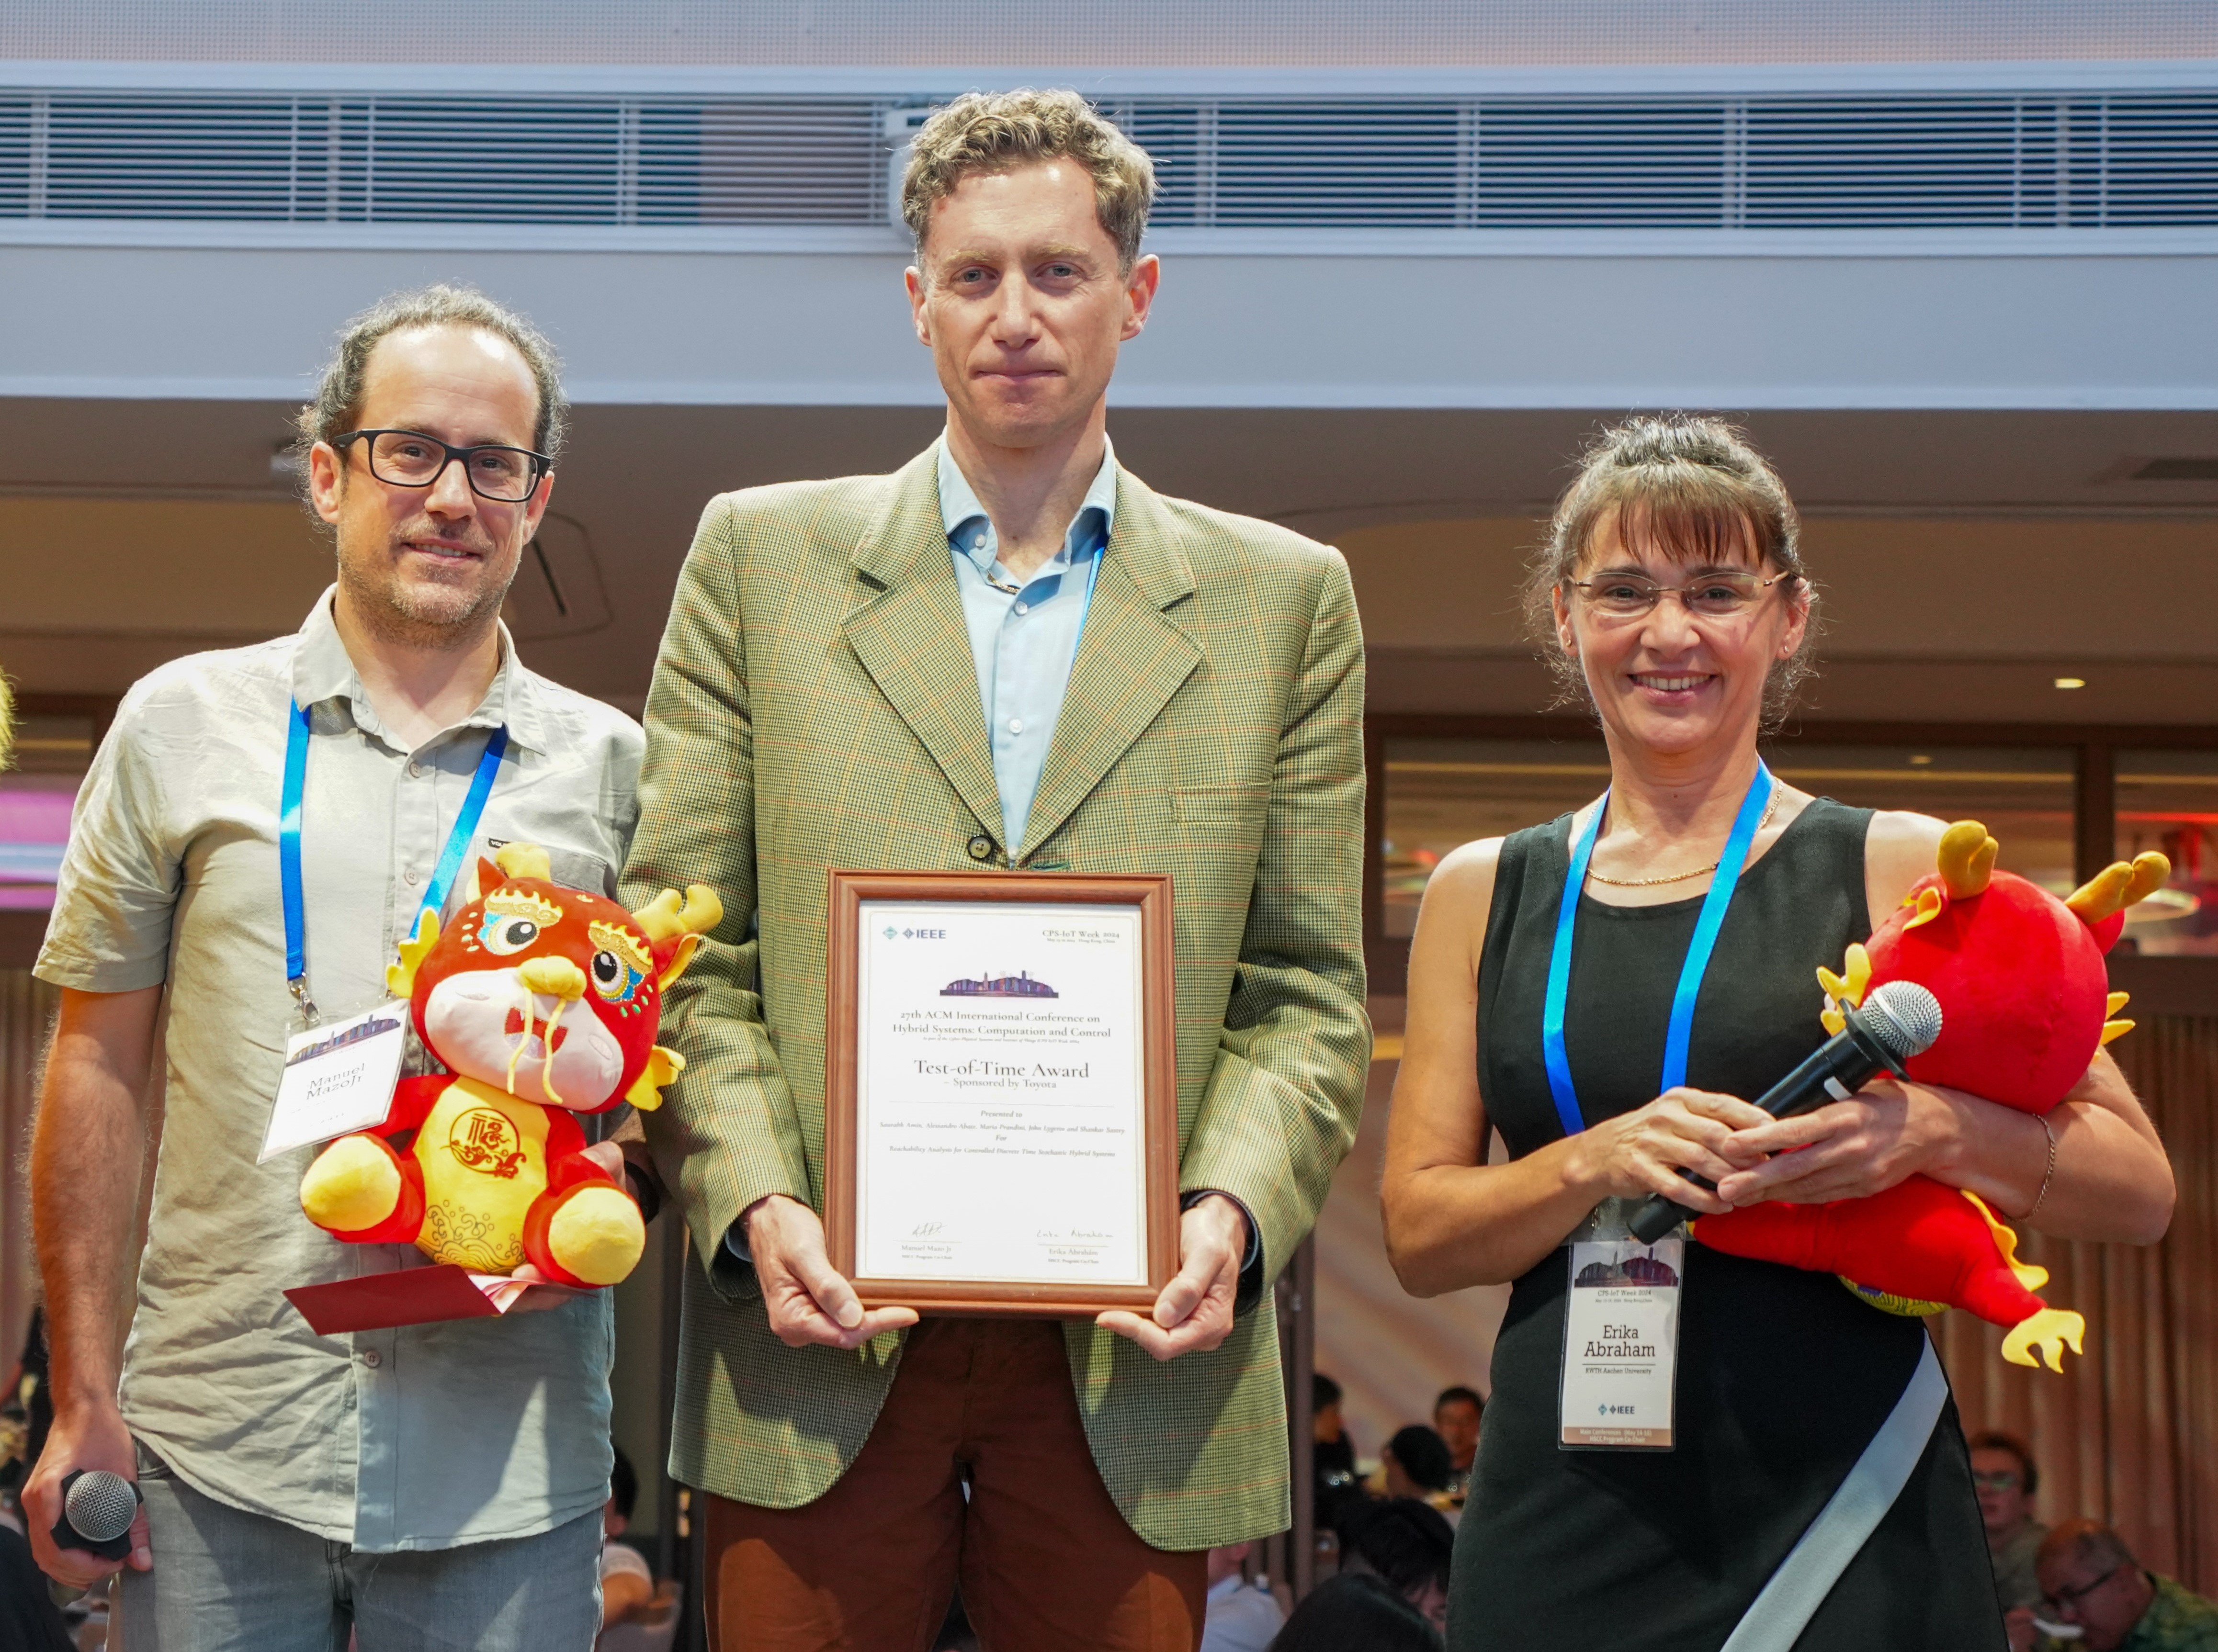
(848, 679)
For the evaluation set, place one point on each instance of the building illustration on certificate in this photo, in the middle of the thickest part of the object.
(1020, 985)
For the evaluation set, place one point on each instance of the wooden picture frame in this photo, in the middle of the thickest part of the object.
(1156, 1065)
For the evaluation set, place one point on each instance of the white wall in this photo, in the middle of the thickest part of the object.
(1751, 323)
(1094, 34)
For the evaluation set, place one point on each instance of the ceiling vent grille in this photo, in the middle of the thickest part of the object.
(401, 160)
(1507, 163)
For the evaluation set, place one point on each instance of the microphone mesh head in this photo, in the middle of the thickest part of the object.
(1904, 1017)
(101, 1504)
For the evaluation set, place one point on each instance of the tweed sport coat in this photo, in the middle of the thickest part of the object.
(815, 705)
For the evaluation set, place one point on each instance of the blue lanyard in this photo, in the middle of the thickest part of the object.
(288, 845)
(1712, 919)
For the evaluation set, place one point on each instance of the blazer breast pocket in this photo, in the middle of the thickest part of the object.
(1236, 807)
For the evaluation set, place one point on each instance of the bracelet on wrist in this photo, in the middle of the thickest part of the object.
(2048, 1175)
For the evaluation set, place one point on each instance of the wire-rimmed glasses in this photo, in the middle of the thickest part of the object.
(1720, 593)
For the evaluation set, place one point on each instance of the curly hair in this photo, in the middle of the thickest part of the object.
(998, 131)
(337, 406)
(1698, 490)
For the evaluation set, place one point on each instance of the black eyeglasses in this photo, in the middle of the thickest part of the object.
(2069, 1600)
(411, 459)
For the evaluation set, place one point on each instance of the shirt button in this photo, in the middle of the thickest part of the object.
(1024, 608)
(373, 1358)
(415, 771)
(412, 878)
(981, 847)
(1016, 725)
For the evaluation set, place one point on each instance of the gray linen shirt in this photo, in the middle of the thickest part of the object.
(421, 1438)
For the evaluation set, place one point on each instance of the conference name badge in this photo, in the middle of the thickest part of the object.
(1620, 1336)
(338, 1077)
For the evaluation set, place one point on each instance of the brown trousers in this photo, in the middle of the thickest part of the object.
(1046, 1560)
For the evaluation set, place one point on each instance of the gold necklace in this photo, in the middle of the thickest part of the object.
(1681, 877)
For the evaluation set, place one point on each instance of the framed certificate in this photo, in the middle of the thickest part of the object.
(1002, 1091)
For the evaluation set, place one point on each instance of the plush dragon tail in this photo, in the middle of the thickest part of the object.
(1915, 1247)
(2049, 1331)
(2043, 1334)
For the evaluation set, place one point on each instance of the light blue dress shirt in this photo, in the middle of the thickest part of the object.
(1023, 639)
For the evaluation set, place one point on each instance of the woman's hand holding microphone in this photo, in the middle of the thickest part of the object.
(1884, 1134)
(1845, 1150)
(1642, 1152)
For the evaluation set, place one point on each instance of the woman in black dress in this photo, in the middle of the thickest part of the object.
(1673, 589)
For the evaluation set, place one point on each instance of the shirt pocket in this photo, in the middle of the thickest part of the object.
(575, 869)
(571, 868)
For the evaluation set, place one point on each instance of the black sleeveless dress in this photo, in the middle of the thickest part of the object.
(1783, 1376)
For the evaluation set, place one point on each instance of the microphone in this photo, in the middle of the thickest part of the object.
(97, 1509)
(1901, 1019)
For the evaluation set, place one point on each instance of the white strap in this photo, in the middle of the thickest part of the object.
(1779, 1613)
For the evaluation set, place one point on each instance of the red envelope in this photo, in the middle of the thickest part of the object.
(378, 1301)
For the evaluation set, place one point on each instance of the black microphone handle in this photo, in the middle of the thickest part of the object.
(1851, 1059)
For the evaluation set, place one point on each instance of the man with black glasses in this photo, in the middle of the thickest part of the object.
(432, 1485)
(2095, 1585)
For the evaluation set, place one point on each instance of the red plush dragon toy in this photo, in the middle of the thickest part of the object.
(543, 1003)
(2025, 1002)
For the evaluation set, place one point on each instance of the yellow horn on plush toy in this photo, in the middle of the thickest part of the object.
(2151, 872)
(524, 860)
(695, 912)
(2118, 886)
(401, 977)
(1965, 859)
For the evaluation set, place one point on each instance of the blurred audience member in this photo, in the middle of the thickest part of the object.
(1334, 1453)
(2004, 1475)
(1407, 1544)
(627, 1580)
(1243, 1617)
(1415, 1463)
(1356, 1613)
(1456, 1416)
(26, 1410)
(30, 1621)
(2091, 1580)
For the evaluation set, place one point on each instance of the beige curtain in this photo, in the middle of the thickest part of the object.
(27, 1012)
(2129, 1433)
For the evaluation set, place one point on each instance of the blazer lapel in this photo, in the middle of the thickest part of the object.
(910, 635)
(1131, 657)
